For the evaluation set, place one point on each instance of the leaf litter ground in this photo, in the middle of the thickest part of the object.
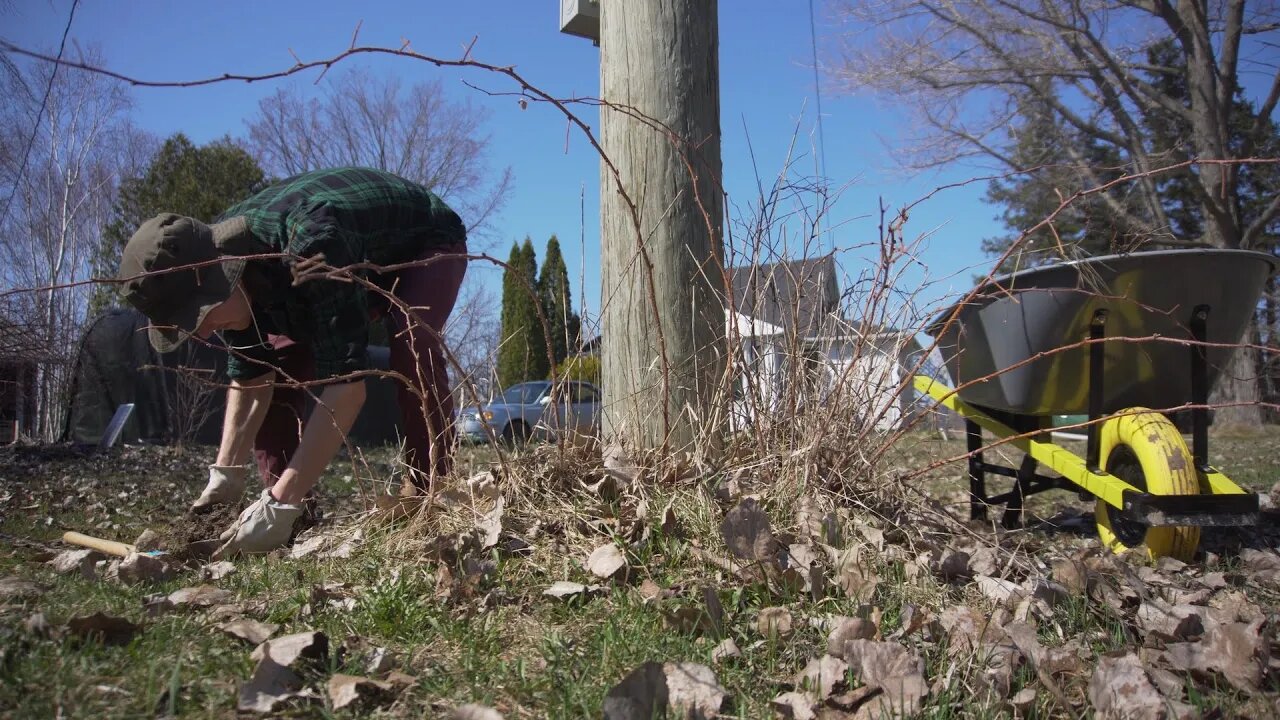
(554, 587)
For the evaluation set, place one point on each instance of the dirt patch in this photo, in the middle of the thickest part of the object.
(194, 536)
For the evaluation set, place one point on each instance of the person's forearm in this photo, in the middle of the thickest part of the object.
(247, 403)
(325, 431)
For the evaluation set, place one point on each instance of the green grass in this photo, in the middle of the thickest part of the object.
(502, 644)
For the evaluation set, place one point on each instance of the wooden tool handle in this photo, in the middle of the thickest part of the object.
(110, 547)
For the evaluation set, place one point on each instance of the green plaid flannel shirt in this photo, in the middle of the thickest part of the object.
(351, 215)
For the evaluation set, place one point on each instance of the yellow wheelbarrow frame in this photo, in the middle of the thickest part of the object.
(1178, 495)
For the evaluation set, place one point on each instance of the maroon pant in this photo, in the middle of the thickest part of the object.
(426, 404)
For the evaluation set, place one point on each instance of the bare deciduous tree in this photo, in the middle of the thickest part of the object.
(971, 69)
(472, 333)
(58, 172)
(365, 119)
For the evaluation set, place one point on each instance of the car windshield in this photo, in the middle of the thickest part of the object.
(522, 394)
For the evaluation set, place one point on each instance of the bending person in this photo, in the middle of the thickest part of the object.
(282, 276)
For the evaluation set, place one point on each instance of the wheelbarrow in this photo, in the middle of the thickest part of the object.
(1133, 342)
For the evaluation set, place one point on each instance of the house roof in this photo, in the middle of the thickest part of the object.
(797, 296)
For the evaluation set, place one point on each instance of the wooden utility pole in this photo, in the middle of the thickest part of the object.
(661, 217)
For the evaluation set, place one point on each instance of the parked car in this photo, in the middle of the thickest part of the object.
(526, 410)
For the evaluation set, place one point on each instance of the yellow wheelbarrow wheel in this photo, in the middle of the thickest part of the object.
(1144, 449)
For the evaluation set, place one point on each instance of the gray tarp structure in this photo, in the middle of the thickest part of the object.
(115, 364)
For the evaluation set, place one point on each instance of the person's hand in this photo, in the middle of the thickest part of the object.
(226, 486)
(314, 268)
(262, 527)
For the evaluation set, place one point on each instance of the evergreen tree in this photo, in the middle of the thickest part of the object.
(1095, 225)
(1050, 174)
(537, 366)
(512, 342)
(557, 303)
(522, 354)
(200, 182)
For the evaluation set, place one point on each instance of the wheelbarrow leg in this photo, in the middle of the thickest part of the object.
(977, 473)
(1013, 509)
(1097, 330)
(1199, 390)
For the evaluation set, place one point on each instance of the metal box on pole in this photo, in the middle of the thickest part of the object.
(581, 18)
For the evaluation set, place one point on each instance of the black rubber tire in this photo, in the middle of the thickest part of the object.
(515, 433)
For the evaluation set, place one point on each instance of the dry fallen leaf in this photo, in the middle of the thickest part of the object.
(809, 518)
(1235, 606)
(380, 660)
(309, 546)
(858, 579)
(669, 523)
(103, 628)
(1120, 690)
(873, 535)
(774, 622)
(1170, 623)
(310, 646)
(1071, 574)
(823, 676)
(270, 685)
(565, 589)
(606, 561)
(217, 570)
(82, 562)
(1232, 650)
(1024, 700)
(490, 526)
(912, 620)
(1043, 660)
(232, 611)
(348, 690)
(16, 587)
(483, 485)
(200, 596)
(36, 624)
(274, 680)
(398, 678)
(725, 650)
(954, 567)
(693, 691)
(618, 463)
(848, 630)
(1264, 565)
(999, 590)
(475, 712)
(802, 556)
(984, 561)
(649, 590)
(250, 631)
(343, 551)
(895, 670)
(642, 695)
(794, 706)
(748, 534)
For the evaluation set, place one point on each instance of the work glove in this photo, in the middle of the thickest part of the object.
(226, 486)
(263, 526)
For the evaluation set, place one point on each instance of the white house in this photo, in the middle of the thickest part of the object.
(793, 348)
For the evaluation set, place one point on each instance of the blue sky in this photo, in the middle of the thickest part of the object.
(767, 95)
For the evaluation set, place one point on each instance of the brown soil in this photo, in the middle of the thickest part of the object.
(192, 535)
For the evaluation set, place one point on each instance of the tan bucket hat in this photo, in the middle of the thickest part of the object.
(175, 272)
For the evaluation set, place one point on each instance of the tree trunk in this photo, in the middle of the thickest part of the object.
(1238, 383)
(663, 308)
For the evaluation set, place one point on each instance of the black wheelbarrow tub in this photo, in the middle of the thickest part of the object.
(1015, 318)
